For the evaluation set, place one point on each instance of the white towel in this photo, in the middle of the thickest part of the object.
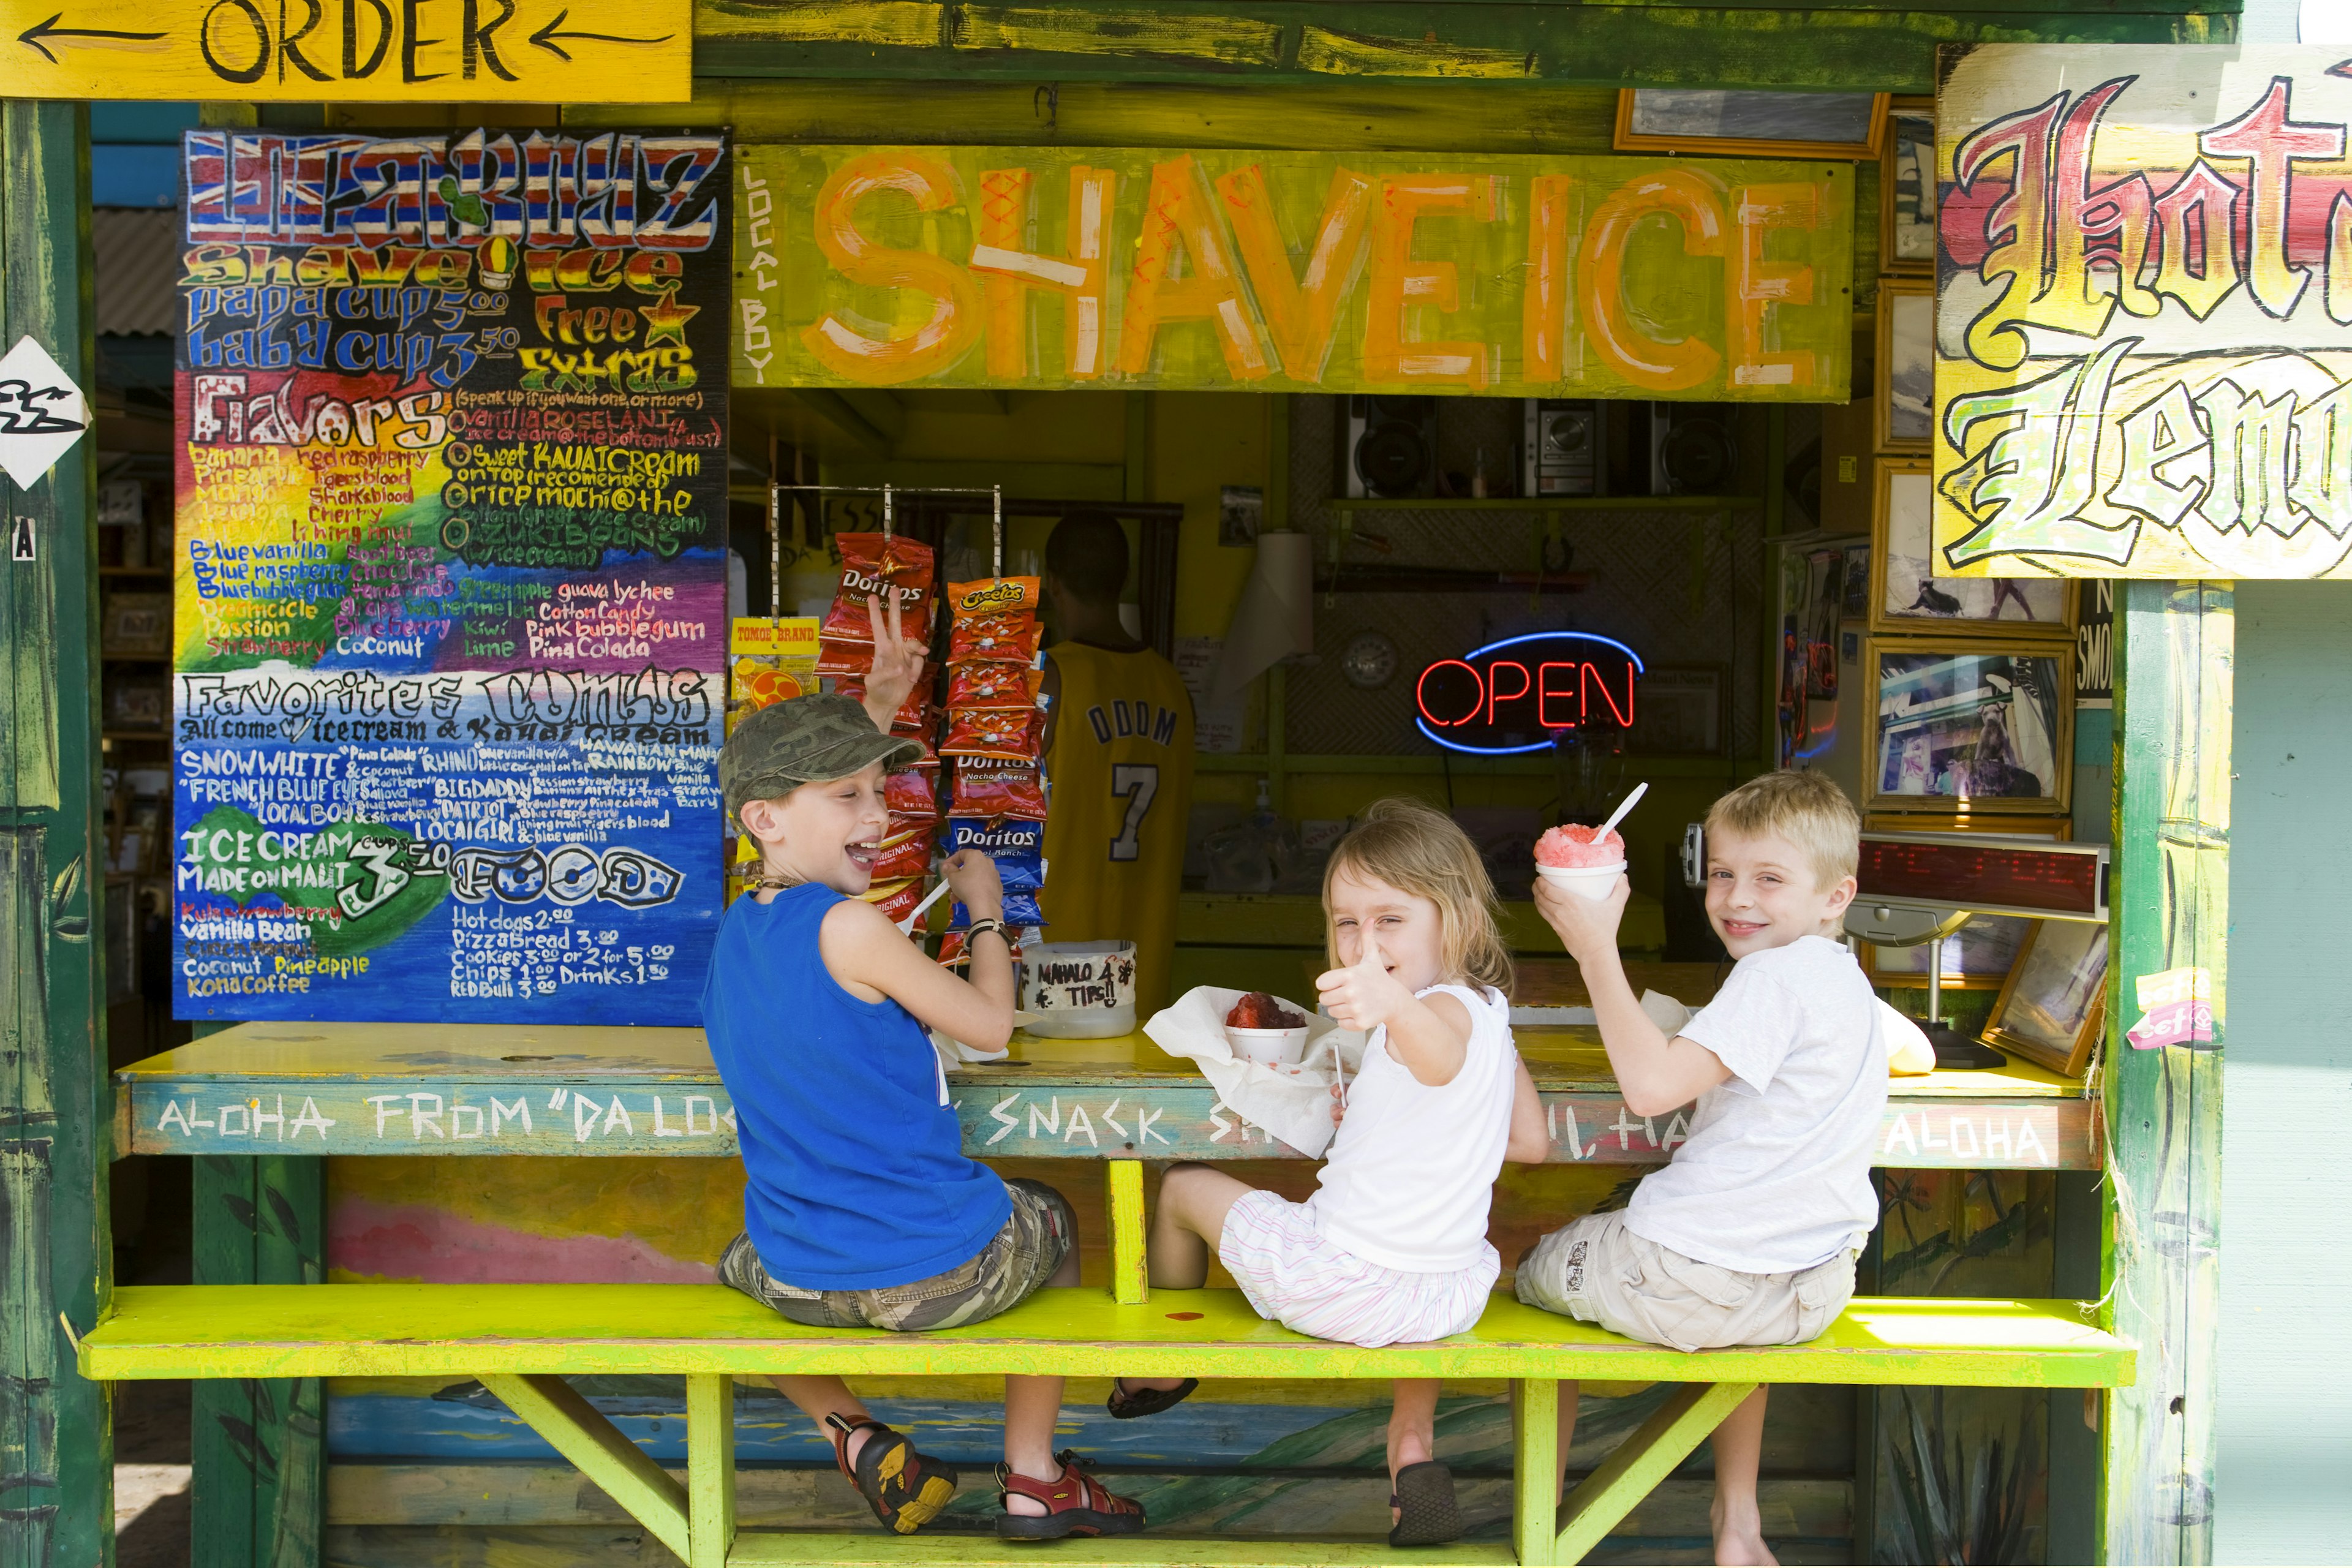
(1292, 1104)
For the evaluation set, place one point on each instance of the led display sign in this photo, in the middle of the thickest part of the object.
(1520, 694)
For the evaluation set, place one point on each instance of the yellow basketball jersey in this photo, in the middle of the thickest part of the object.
(1121, 766)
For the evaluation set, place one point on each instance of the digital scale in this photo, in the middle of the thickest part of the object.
(1914, 888)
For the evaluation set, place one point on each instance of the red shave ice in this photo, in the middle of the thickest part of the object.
(1259, 1011)
(1573, 845)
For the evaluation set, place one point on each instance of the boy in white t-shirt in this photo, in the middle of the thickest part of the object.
(1748, 1235)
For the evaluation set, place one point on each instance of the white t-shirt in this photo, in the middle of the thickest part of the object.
(1412, 1173)
(1776, 1174)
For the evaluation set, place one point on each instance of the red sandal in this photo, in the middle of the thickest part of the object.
(905, 1489)
(1076, 1504)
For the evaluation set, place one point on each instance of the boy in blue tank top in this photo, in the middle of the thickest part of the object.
(860, 1209)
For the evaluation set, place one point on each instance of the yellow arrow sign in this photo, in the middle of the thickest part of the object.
(460, 51)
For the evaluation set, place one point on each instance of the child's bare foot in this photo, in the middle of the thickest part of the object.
(1739, 1540)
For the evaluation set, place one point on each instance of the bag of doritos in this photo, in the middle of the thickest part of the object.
(997, 789)
(1016, 844)
(885, 565)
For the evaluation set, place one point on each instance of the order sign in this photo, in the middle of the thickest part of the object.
(307, 51)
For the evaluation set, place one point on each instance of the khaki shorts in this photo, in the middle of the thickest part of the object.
(1019, 1259)
(1598, 1270)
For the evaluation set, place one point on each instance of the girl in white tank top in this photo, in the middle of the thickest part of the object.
(1392, 1246)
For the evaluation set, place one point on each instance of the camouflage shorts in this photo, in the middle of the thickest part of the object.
(1022, 1256)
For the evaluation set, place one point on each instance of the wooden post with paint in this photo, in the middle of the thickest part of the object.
(2163, 1104)
(55, 1443)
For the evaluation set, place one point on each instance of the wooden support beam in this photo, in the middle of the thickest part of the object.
(55, 1450)
(1123, 1190)
(581, 1433)
(1535, 1469)
(1641, 1462)
(1842, 44)
(2174, 647)
(710, 1468)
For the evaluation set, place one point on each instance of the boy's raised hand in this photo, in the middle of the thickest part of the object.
(976, 883)
(1586, 927)
(1364, 995)
(898, 663)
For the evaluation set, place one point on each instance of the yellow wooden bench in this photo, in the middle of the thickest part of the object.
(522, 1341)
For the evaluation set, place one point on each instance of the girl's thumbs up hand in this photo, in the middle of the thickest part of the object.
(1364, 995)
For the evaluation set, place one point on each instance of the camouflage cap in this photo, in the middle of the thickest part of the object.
(778, 748)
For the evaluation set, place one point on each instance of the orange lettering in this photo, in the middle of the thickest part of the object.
(1545, 313)
(1179, 217)
(1625, 343)
(1008, 271)
(1302, 312)
(1757, 285)
(954, 323)
(1398, 280)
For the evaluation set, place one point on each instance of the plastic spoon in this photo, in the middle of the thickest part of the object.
(1338, 1068)
(1624, 806)
(907, 926)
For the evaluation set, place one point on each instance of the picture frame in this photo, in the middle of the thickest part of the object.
(1906, 598)
(1906, 188)
(135, 625)
(1981, 955)
(1904, 419)
(1750, 124)
(2055, 1003)
(1683, 712)
(1980, 724)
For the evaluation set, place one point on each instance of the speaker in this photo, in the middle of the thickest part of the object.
(1387, 449)
(1691, 448)
(1563, 448)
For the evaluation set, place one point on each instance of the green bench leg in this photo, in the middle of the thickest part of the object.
(1641, 1462)
(1535, 1468)
(579, 1432)
(1123, 1191)
(710, 1468)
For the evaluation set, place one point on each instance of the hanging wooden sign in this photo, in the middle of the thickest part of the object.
(449, 574)
(2145, 282)
(311, 52)
(1014, 267)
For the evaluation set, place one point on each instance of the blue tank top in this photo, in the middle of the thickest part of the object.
(856, 1174)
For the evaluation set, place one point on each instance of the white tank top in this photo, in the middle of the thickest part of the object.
(1412, 1173)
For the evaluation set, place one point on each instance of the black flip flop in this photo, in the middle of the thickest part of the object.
(1426, 1512)
(1126, 1406)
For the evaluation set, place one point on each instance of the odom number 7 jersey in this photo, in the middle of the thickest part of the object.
(1121, 766)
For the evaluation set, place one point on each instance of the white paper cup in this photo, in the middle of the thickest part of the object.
(1274, 1047)
(1592, 881)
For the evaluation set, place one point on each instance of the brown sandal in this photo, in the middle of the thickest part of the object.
(905, 1489)
(1077, 1504)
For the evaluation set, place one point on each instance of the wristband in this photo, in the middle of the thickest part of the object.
(977, 927)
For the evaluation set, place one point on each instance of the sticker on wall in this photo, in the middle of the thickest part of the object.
(42, 414)
(2176, 1009)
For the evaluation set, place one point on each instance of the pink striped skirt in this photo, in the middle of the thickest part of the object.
(1312, 1285)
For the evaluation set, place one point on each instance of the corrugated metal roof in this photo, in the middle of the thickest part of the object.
(138, 257)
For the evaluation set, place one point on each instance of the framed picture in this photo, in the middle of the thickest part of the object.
(1979, 956)
(1907, 187)
(1906, 596)
(137, 624)
(1681, 712)
(2050, 1009)
(1907, 365)
(1969, 722)
(1750, 124)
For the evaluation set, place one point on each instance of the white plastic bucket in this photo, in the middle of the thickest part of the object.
(1079, 990)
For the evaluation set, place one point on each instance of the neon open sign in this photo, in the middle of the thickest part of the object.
(1517, 695)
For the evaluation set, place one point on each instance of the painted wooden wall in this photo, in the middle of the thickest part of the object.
(2282, 1488)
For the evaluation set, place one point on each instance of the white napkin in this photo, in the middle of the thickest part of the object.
(1665, 1012)
(1292, 1104)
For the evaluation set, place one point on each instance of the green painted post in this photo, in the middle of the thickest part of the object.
(258, 1449)
(2173, 651)
(56, 1474)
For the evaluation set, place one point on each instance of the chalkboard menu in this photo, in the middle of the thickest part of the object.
(450, 575)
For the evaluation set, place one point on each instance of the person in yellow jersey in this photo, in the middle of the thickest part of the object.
(1118, 750)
